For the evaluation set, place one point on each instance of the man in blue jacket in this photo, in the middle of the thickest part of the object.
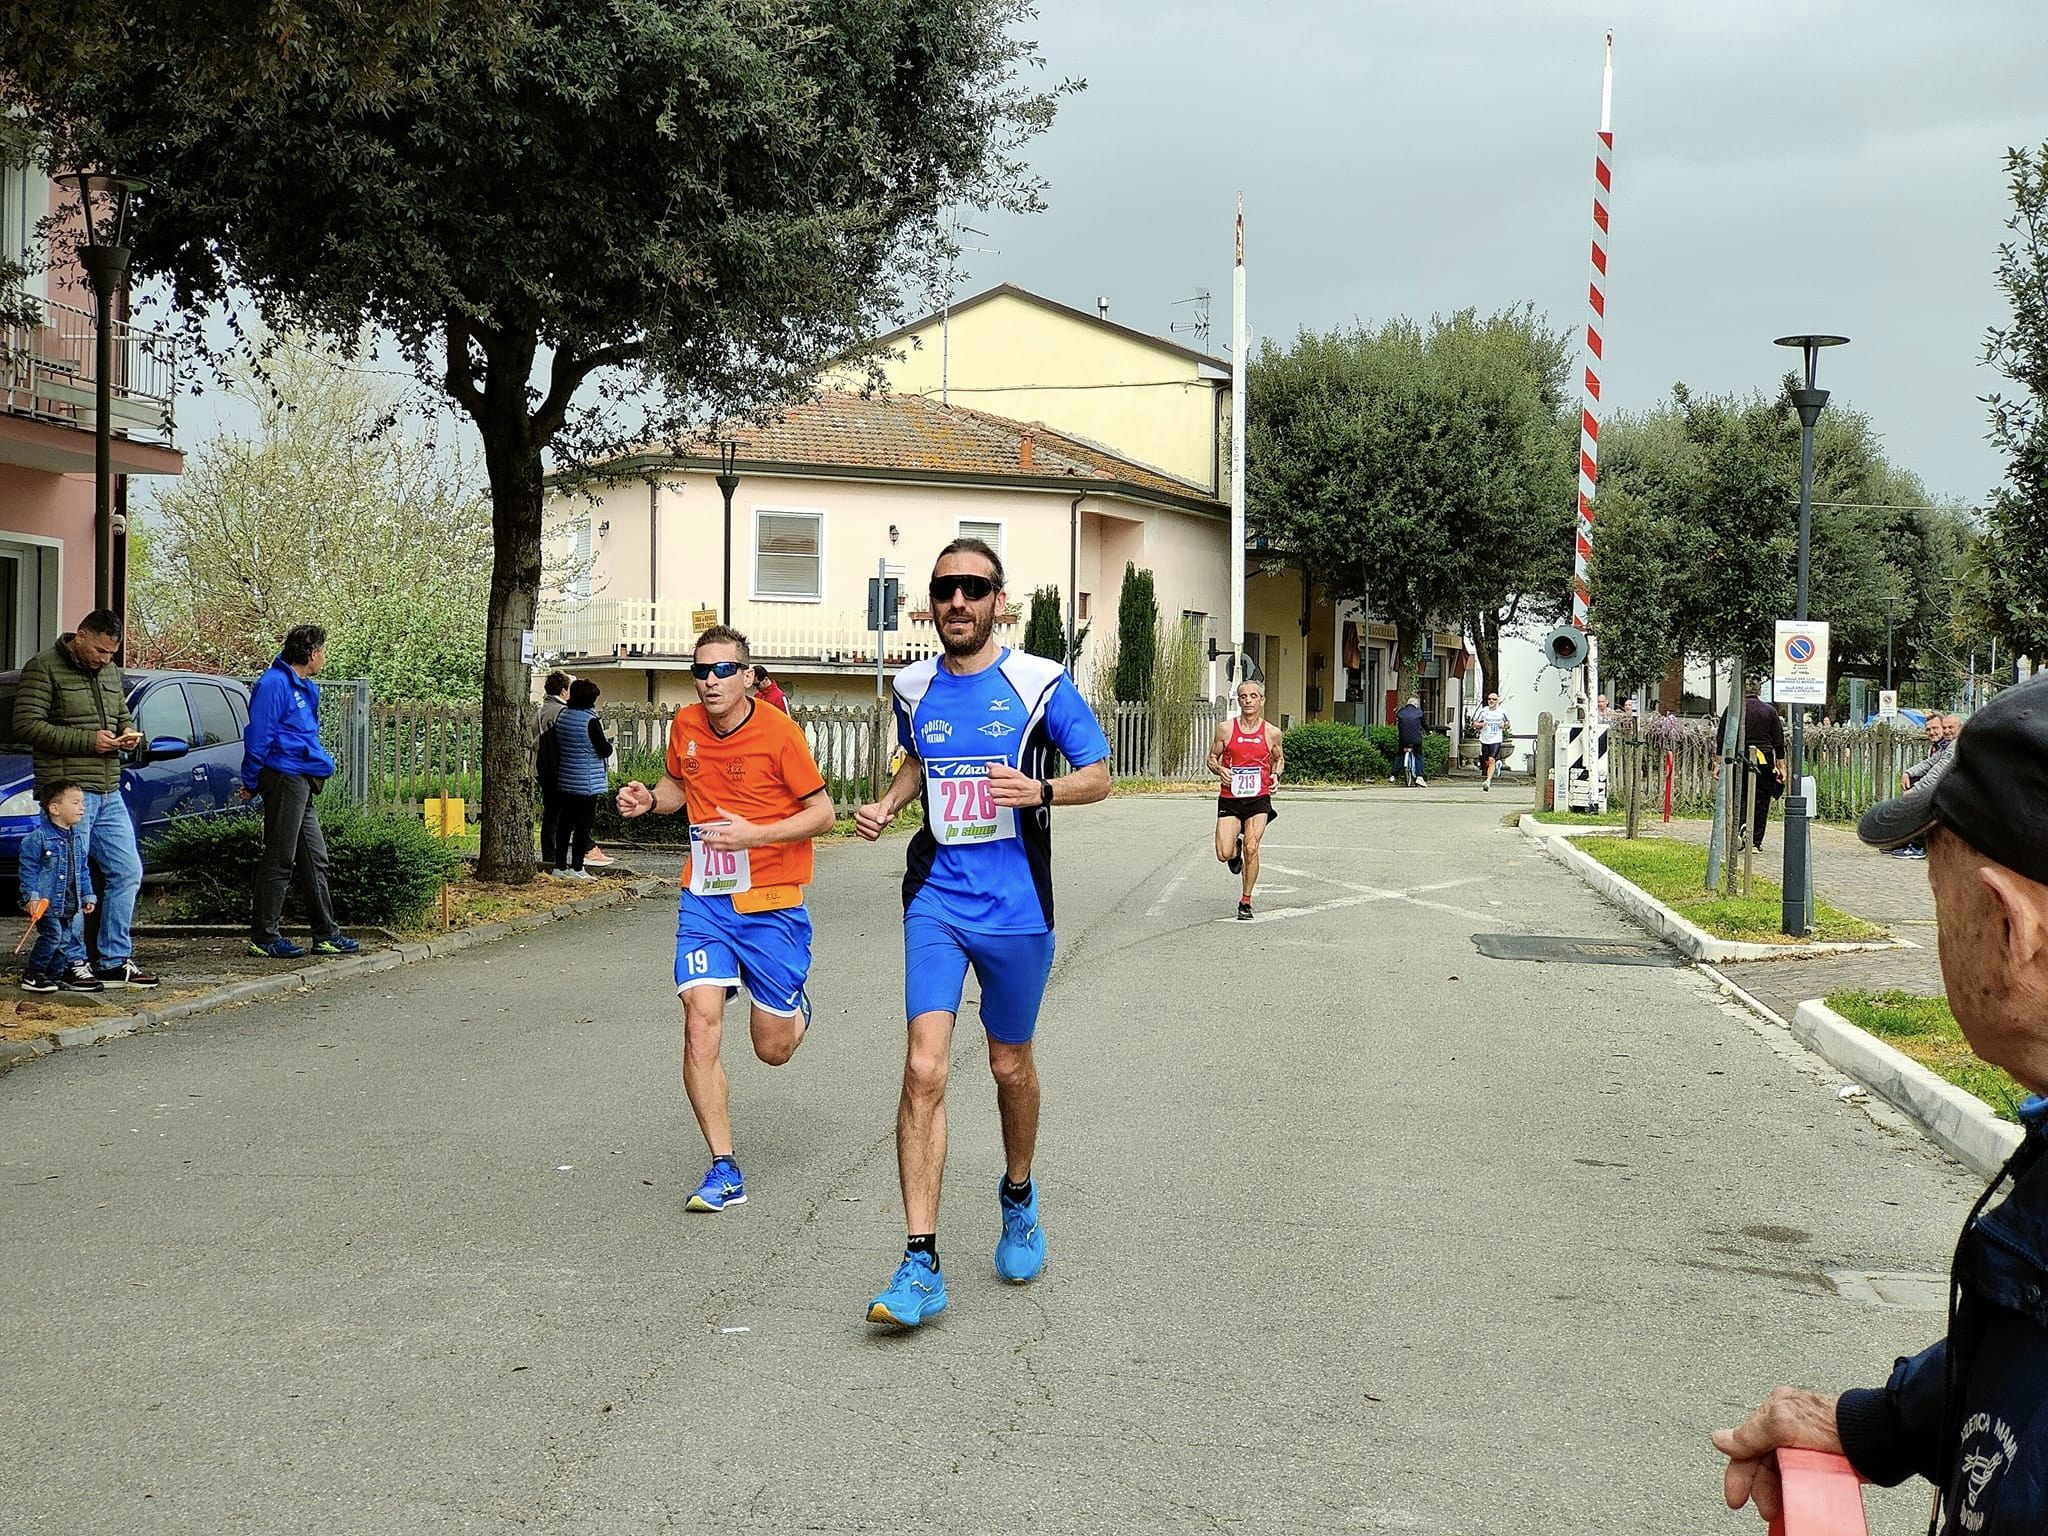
(1970, 1414)
(283, 761)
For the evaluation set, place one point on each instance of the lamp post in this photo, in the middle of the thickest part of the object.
(1891, 605)
(104, 255)
(728, 482)
(1809, 401)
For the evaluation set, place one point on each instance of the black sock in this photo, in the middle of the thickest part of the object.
(1016, 1194)
(926, 1243)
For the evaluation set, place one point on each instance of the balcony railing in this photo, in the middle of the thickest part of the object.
(622, 629)
(47, 372)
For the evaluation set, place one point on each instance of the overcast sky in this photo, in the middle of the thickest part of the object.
(1805, 165)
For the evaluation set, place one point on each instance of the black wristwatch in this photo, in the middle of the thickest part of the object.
(1045, 791)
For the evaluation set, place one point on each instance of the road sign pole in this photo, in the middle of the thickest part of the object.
(1797, 910)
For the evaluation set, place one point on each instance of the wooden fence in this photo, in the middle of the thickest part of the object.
(1151, 743)
(1853, 767)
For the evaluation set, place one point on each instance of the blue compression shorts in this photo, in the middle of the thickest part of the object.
(1012, 968)
(768, 953)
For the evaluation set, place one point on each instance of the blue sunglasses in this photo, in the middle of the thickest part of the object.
(703, 669)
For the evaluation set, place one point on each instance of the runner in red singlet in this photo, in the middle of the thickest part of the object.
(1247, 757)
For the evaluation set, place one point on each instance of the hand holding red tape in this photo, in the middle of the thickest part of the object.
(1822, 1495)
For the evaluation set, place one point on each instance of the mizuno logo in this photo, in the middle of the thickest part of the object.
(999, 706)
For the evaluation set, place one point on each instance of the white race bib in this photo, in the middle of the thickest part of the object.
(963, 811)
(717, 871)
(1246, 783)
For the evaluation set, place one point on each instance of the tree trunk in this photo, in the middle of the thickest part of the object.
(1407, 645)
(514, 464)
(1487, 633)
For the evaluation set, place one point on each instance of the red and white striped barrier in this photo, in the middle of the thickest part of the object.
(1596, 321)
(1821, 1496)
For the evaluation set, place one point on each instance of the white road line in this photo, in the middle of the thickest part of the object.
(1369, 893)
(1167, 891)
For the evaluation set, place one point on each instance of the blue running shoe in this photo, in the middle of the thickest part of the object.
(722, 1186)
(279, 948)
(1020, 1251)
(917, 1292)
(336, 944)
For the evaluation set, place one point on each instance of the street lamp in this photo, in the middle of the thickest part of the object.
(728, 482)
(1809, 401)
(1891, 605)
(104, 255)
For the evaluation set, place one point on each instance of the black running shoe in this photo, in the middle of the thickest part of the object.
(79, 978)
(1244, 911)
(1235, 863)
(36, 981)
(126, 974)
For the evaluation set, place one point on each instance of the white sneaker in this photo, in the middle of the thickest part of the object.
(577, 874)
(1422, 783)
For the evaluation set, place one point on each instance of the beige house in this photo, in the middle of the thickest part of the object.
(834, 491)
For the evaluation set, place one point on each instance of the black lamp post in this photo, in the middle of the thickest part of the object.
(104, 255)
(1891, 606)
(1809, 401)
(728, 482)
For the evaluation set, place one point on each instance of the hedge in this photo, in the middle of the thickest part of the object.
(382, 870)
(1436, 749)
(1323, 752)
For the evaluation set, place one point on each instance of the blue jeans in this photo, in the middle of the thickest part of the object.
(119, 863)
(60, 942)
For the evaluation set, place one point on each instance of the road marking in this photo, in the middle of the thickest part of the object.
(1371, 893)
(1167, 892)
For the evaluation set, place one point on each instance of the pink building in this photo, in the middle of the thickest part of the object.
(47, 402)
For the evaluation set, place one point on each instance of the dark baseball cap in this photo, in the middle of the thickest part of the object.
(1994, 792)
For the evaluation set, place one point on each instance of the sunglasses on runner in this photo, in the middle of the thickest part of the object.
(701, 669)
(974, 588)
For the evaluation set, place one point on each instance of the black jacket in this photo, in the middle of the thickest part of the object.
(1409, 720)
(1989, 1451)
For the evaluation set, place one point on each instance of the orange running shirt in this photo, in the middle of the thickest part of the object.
(762, 772)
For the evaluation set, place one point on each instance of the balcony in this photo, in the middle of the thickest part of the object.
(661, 634)
(48, 380)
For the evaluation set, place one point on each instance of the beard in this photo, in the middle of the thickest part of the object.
(984, 626)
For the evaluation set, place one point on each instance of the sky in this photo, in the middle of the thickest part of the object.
(1799, 166)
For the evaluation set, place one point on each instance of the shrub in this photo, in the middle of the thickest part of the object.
(382, 870)
(1323, 752)
(1137, 634)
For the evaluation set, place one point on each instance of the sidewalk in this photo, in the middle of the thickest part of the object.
(1871, 885)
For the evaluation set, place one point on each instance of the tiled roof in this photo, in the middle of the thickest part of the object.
(910, 433)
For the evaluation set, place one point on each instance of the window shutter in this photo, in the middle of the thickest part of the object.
(788, 555)
(990, 534)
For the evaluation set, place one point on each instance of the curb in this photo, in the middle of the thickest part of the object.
(1960, 1123)
(1688, 938)
(14, 1052)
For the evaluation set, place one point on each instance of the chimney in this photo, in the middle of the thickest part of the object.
(1025, 444)
(1102, 306)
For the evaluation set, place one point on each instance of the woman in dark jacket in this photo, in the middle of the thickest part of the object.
(573, 758)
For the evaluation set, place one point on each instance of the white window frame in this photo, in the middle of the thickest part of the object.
(1001, 526)
(21, 217)
(754, 554)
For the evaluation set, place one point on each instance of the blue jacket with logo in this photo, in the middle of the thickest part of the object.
(1971, 1414)
(54, 866)
(284, 727)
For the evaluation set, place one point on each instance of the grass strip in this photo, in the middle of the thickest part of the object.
(1674, 872)
(1924, 1029)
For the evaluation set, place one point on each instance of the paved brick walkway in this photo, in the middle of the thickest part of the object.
(1859, 880)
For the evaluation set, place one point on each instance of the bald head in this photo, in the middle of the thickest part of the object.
(1992, 924)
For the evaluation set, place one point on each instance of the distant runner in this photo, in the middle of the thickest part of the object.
(1493, 725)
(979, 728)
(1246, 755)
(756, 799)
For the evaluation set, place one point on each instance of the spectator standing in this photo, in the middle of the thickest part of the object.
(71, 708)
(1408, 721)
(554, 699)
(284, 762)
(768, 690)
(56, 890)
(1970, 1413)
(576, 749)
(1764, 732)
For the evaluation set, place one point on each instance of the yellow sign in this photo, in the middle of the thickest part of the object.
(702, 619)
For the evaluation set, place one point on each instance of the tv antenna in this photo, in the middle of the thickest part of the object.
(946, 309)
(1197, 323)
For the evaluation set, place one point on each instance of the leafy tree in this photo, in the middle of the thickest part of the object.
(1137, 634)
(1432, 467)
(697, 195)
(328, 513)
(1045, 632)
(2013, 586)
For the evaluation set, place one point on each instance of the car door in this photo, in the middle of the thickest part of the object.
(216, 744)
(159, 793)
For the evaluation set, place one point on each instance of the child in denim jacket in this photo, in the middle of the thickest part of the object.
(54, 871)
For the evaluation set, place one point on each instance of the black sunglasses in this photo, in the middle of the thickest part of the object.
(975, 588)
(702, 669)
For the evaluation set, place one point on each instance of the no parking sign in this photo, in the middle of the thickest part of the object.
(1799, 674)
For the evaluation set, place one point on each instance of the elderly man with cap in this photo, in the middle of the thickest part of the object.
(1970, 1414)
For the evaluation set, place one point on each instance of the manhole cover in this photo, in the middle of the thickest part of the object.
(1563, 951)
(1906, 1290)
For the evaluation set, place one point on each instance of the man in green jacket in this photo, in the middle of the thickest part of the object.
(71, 708)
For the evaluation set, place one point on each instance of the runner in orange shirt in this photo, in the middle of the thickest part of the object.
(755, 800)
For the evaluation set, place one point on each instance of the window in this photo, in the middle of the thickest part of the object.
(212, 718)
(24, 203)
(1196, 624)
(241, 709)
(579, 563)
(163, 713)
(990, 534)
(1084, 614)
(789, 556)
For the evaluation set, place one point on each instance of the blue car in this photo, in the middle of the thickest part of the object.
(188, 765)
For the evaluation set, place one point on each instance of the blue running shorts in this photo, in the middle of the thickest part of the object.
(1012, 968)
(768, 953)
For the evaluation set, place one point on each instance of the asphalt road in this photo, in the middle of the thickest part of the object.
(1351, 1229)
